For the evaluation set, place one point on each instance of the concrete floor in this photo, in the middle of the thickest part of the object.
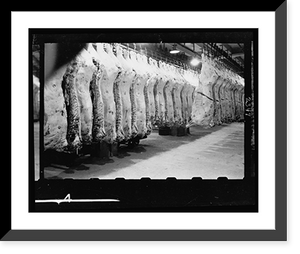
(206, 153)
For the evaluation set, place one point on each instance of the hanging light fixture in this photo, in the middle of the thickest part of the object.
(195, 61)
(174, 49)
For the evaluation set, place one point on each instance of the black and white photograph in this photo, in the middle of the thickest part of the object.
(129, 105)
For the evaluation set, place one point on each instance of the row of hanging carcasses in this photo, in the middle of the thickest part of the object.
(108, 93)
(219, 97)
(113, 94)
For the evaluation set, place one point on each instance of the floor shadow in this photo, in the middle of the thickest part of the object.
(69, 171)
(123, 152)
(127, 156)
(137, 149)
(60, 159)
(96, 160)
(79, 167)
(54, 177)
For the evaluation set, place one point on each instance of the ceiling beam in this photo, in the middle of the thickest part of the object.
(187, 50)
(239, 54)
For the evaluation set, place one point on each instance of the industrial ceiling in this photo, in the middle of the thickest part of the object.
(231, 54)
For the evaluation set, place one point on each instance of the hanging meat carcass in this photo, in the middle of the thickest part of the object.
(231, 100)
(203, 109)
(220, 100)
(225, 101)
(149, 94)
(190, 100)
(117, 93)
(55, 113)
(140, 96)
(147, 73)
(98, 130)
(132, 95)
(168, 88)
(240, 102)
(84, 76)
(125, 88)
(67, 92)
(190, 77)
(110, 73)
(176, 94)
(159, 97)
(156, 85)
(72, 106)
(216, 102)
(184, 103)
(138, 119)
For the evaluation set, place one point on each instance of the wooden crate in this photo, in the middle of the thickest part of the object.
(173, 131)
(114, 149)
(181, 131)
(100, 149)
(163, 131)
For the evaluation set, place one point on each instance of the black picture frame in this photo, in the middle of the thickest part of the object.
(278, 234)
